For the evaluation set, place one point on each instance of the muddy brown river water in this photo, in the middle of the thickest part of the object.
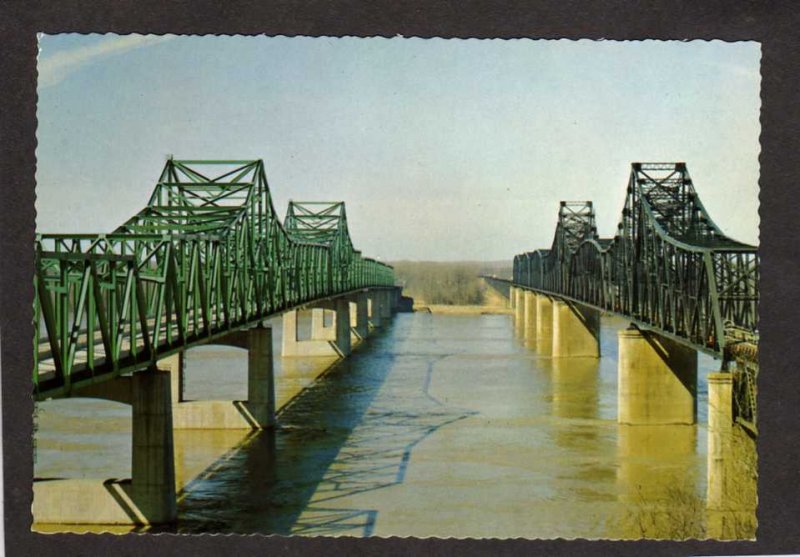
(440, 425)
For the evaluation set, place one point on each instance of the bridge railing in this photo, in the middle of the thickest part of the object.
(177, 274)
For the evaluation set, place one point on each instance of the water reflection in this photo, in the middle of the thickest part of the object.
(273, 477)
(659, 482)
(442, 425)
(732, 480)
(574, 384)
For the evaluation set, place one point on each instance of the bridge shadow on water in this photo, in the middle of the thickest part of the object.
(342, 437)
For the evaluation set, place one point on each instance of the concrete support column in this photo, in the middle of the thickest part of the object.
(153, 466)
(386, 306)
(355, 338)
(342, 326)
(289, 338)
(176, 366)
(333, 340)
(519, 308)
(576, 331)
(261, 377)
(544, 324)
(395, 299)
(529, 322)
(374, 303)
(657, 380)
(359, 317)
(319, 329)
(720, 429)
(512, 296)
(732, 492)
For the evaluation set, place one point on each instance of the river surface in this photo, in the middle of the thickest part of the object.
(438, 425)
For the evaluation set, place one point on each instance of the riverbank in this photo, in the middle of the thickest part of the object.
(462, 309)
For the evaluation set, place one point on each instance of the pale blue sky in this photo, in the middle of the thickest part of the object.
(442, 149)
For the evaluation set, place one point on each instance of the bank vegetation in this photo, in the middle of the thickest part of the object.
(448, 283)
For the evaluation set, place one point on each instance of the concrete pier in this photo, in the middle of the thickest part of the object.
(519, 305)
(657, 380)
(323, 324)
(359, 317)
(153, 464)
(385, 305)
(374, 301)
(261, 377)
(720, 429)
(175, 365)
(149, 496)
(529, 319)
(257, 412)
(342, 325)
(544, 324)
(519, 313)
(331, 340)
(731, 492)
(576, 330)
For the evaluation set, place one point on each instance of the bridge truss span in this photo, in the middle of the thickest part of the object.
(668, 268)
(206, 256)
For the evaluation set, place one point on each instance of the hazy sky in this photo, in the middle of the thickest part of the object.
(441, 149)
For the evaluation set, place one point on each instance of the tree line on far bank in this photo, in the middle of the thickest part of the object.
(449, 283)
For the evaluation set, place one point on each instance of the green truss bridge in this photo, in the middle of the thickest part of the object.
(672, 273)
(206, 257)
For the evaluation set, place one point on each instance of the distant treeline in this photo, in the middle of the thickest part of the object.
(451, 283)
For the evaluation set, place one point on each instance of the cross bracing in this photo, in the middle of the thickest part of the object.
(206, 256)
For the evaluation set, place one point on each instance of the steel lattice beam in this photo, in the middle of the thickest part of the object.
(206, 256)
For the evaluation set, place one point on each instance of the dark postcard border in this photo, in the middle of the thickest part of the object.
(771, 23)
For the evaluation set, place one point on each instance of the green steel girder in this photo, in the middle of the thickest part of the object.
(206, 256)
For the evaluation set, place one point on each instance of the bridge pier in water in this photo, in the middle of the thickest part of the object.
(657, 380)
(720, 430)
(731, 493)
(376, 311)
(351, 319)
(556, 327)
(529, 314)
(359, 318)
(153, 467)
(331, 340)
(544, 324)
(149, 497)
(257, 412)
(576, 330)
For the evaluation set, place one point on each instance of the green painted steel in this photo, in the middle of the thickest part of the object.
(208, 255)
(669, 268)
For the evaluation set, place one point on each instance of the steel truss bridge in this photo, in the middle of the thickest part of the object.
(208, 255)
(669, 269)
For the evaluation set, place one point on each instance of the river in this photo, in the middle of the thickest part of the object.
(439, 425)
